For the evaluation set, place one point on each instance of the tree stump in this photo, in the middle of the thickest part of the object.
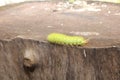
(25, 54)
(58, 62)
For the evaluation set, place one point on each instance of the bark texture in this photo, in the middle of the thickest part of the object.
(56, 62)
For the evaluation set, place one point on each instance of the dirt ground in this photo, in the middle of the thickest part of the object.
(98, 22)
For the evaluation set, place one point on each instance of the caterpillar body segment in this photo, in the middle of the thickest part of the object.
(63, 39)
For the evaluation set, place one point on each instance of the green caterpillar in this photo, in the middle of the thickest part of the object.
(63, 39)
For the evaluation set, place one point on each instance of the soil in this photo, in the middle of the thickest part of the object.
(98, 22)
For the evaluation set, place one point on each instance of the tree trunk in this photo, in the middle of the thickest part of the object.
(57, 62)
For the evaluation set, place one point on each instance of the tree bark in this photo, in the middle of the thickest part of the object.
(57, 62)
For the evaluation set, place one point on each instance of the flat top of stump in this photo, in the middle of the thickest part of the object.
(99, 22)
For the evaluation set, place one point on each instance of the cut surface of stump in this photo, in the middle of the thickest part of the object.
(26, 54)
